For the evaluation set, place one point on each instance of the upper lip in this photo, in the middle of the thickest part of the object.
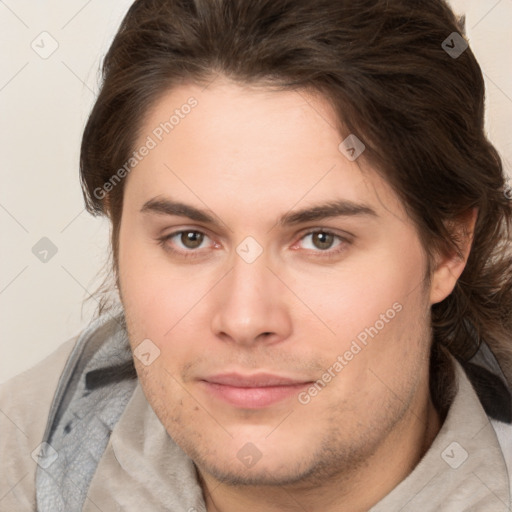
(259, 380)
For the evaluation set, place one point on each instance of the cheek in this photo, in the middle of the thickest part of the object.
(377, 313)
(161, 303)
(373, 294)
(146, 297)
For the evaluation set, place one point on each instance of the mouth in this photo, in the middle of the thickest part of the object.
(252, 391)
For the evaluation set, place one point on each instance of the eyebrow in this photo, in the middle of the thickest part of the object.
(331, 209)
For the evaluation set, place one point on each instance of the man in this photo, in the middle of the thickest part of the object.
(309, 240)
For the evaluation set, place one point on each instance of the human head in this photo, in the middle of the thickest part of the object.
(419, 112)
(381, 67)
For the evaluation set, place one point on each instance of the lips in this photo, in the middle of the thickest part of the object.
(252, 391)
(260, 380)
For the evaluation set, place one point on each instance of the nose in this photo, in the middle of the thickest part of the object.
(251, 305)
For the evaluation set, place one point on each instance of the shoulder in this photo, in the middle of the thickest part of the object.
(25, 402)
(32, 390)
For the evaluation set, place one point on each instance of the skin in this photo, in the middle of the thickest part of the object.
(248, 156)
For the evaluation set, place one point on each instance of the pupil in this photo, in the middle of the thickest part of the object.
(191, 239)
(325, 240)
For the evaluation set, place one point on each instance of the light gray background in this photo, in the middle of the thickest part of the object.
(44, 103)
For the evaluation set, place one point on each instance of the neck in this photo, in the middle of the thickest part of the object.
(357, 492)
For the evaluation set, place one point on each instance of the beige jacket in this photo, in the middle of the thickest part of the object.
(142, 469)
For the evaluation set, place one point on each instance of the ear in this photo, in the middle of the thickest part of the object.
(448, 268)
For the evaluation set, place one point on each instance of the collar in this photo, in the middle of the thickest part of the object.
(464, 468)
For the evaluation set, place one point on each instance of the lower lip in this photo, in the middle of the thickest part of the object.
(253, 398)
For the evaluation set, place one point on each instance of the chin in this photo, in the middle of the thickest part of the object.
(279, 464)
(262, 474)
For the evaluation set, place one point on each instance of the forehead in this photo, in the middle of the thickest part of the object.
(248, 119)
(267, 146)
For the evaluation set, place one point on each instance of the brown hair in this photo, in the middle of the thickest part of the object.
(382, 66)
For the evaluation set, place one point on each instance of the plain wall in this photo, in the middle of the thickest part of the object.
(44, 103)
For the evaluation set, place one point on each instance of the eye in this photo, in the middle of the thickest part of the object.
(323, 243)
(190, 239)
(321, 240)
(189, 242)
(184, 241)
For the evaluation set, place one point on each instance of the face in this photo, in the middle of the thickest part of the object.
(277, 287)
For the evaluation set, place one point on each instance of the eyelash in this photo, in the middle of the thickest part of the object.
(195, 253)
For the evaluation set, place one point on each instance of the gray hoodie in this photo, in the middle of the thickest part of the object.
(77, 434)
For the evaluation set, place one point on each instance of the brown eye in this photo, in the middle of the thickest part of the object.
(187, 244)
(191, 239)
(324, 243)
(322, 240)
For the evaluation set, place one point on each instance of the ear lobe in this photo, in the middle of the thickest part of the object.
(448, 268)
